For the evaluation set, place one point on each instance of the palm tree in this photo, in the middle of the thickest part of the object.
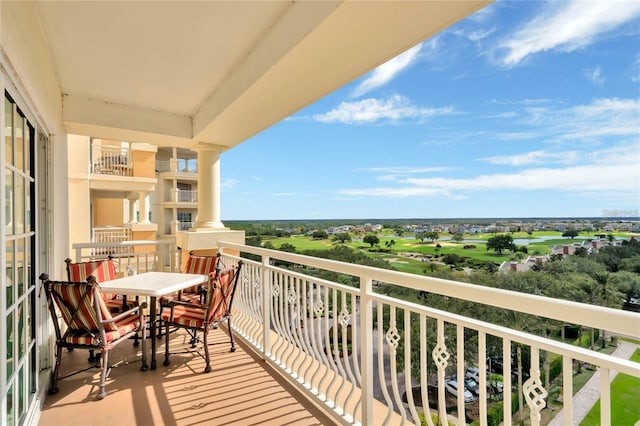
(525, 323)
(602, 278)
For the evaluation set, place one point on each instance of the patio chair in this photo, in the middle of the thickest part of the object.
(89, 324)
(196, 264)
(102, 270)
(197, 317)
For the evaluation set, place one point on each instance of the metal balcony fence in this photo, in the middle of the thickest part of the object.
(374, 359)
(355, 350)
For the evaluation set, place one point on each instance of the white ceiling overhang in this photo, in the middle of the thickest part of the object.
(181, 73)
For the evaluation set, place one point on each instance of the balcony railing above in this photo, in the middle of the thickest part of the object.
(110, 234)
(179, 165)
(174, 227)
(111, 160)
(183, 196)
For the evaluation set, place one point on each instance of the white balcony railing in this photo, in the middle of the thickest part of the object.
(184, 196)
(110, 234)
(174, 227)
(357, 351)
(111, 160)
(132, 257)
(180, 165)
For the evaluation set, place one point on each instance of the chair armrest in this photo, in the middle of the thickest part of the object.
(126, 313)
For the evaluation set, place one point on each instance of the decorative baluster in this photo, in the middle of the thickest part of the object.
(393, 339)
(534, 392)
(381, 366)
(440, 357)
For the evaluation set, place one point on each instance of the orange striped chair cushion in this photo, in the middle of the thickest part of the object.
(203, 265)
(68, 298)
(102, 270)
(122, 327)
(219, 303)
(117, 306)
(185, 315)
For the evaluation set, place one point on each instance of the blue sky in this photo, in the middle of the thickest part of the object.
(524, 109)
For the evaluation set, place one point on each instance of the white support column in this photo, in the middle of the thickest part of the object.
(208, 188)
(143, 206)
(208, 230)
(132, 211)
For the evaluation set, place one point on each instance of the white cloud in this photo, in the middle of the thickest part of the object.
(370, 110)
(229, 183)
(387, 71)
(595, 76)
(533, 157)
(404, 170)
(603, 117)
(635, 69)
(567, 26)
(612, 171)
(611, 178)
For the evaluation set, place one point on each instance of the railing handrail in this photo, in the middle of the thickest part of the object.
(123, 244)
(621, 322)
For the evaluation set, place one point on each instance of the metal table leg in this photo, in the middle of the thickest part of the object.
(152, 320)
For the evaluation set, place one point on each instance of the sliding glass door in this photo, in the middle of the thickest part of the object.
(19, 283)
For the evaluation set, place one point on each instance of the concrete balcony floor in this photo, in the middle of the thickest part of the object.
(241, 390)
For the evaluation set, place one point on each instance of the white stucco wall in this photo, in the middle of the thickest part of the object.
(32, 81)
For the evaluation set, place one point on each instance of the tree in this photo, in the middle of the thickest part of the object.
(457, 237)
(319, 235)
(290, 248)
(421, 236)
(342, 237)
(398, 231)
(451, 259)
(580, 251)
(372, 240)
(628, 284)
(390, 243)
(432, 235)
(570, 233)
(501, 242)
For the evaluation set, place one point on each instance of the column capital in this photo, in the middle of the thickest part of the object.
(206, 146)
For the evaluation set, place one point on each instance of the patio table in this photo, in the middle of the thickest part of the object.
(152, 285)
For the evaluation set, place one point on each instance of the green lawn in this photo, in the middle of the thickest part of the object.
(625, 397)
(406, 244)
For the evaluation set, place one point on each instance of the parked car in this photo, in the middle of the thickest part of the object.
(496, 386)
(472, 386)
(473, 373)
(451, 386)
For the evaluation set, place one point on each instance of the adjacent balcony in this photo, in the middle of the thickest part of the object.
(329, 331)
(111, 160)
(178, 166)
(182, 196)
(174, 227)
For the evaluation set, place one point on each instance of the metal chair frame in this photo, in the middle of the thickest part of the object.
(217, 309)
(78, 324)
